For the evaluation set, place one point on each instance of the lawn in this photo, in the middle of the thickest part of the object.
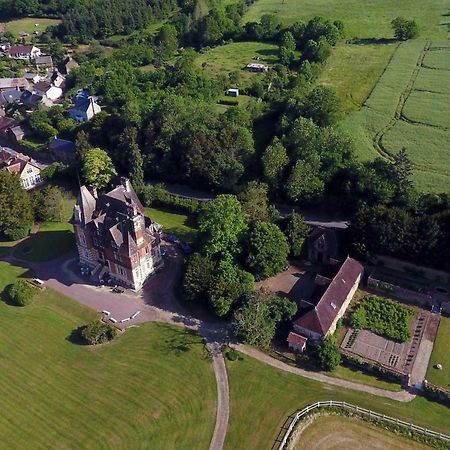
(151, 388)
(173, 222)
(228, 58)
(441, 355)
(353, 70)
(362, 19)
(263, 397)
(27, 25)
(335, 431)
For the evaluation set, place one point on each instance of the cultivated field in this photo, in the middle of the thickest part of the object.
(151, 388)
(409, 107)
(362, 19)
(337, 432)
(261, 404)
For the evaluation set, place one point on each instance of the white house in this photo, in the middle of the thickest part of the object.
(46, 89)
(24, 166)
(26, 52)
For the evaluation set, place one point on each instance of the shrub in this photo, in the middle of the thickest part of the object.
(21, 293)
(231, 354)
(384, 317)
(158, 196)
(14, 234)
(98, 332)
(328, 353)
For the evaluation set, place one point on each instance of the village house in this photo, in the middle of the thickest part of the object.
(85, 107)
(62, 150)
(24, 166)
(320, 319)
(25, 52)
(322, 245)
(7, 84)
(43, 61)
(114, 237)
(46, 90)
(70, 64)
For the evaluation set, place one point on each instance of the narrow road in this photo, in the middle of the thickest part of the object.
(402, 396)
(223, 397)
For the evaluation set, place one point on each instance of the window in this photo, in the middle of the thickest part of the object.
(30, 170)
(117, 256)
(121, 271)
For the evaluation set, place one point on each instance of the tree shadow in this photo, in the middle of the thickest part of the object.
(76, 337)
(267, 52)
(373, 41)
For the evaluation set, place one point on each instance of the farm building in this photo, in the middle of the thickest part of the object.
(256, 67)
(335, 295)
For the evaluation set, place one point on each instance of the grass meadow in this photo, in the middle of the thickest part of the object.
(28, 25)
(441, 355)
(153, 387)
(363, 19)
(268, 398)
(228, 58)
(335, 431)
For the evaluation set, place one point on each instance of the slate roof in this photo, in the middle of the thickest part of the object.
(43, 60)
(110, 218)
(43, 86)
(320, 319)
(326, 238)
(62, 145)
(13, 83)
(15, 49)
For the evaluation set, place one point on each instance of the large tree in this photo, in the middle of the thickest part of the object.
(222, 223)
(267, 250)
(297, 231)
(274, 161)
(256, 321)
(97, 168)
(255, 203)
(405, 29)
(16, 211)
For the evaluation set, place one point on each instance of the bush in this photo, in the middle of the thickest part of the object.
(328, 353)
(98, 332)
(14, 234)
(21, 293)
(384, 317)
(231, 354)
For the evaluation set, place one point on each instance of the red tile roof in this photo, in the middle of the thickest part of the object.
(297, 339)
(320, 319)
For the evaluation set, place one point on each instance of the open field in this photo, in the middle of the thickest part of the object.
(228, 58)
(337, 432)
(151, 388)
(266, 400)
(441, 355)
(408, 108)
(173, 222)
(367, 19)
(353, 70)
(27, 25)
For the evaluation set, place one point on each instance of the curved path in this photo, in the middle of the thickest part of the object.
(402, 396)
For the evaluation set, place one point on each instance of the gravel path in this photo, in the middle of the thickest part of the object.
(402, 396)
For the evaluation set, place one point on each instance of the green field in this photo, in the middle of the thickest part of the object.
(408, 108)
(173, 222)
(353, 70)
(334, 432)
(28, 25)
(151, 388)
(363, 19)
(228, 58)
(266, 396)
(441, 355)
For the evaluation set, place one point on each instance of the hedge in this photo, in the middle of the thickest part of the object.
(158, 196)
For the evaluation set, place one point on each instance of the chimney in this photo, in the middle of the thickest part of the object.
(93, 191)
(125, 182)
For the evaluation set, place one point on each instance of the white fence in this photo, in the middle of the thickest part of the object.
(359, 410)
